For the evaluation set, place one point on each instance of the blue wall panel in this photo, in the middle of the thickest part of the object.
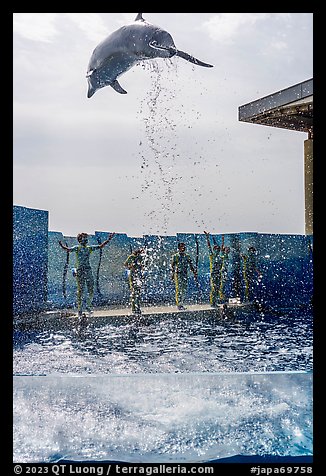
(30, 259)
(285, 262)
(43, 270)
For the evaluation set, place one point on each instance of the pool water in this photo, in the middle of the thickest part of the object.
(264, 342)
(162, 417)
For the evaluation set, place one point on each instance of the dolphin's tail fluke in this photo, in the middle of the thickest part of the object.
(192, 59)
(90, 91)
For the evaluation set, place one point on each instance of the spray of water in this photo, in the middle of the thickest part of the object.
(168, 146)
(158, 150)
(161, 418)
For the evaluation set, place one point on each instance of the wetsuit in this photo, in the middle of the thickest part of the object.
(215, 265)
(180, 263)
(135, 265)
(224, 275)
(84, 275)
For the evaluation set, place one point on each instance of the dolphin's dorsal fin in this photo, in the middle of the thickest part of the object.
(139, 17)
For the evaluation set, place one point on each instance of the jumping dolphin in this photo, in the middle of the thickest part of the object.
(127, 46)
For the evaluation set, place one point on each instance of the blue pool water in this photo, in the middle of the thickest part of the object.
(165, 390)
(260, 343)
(162, 417)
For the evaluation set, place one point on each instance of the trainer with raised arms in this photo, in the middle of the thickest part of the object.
(84, 274)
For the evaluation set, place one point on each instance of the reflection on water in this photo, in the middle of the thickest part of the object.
(266, 343)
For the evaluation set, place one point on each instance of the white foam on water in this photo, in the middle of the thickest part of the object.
(162, 417)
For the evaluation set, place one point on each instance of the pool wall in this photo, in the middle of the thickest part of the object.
(30, 259)
(43, 276)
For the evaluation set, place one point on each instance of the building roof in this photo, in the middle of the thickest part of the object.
(290, 108)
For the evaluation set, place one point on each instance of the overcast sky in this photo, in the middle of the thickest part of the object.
(171, 155)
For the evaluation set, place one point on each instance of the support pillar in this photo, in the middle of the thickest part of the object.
(308, 185)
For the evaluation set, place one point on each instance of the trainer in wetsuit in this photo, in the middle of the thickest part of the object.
(215, 267)
(180, 263)
(224, 273)
(84, 274)
(250, 274)
(134, 264)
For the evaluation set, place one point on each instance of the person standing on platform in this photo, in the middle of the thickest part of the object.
(224, 274)
(180, 263)
(134, 264)
(84, 274)
(215, 268)
(251, 274)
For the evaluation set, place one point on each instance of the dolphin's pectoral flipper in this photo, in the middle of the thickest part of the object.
(192, 59)
(117, 87)
(139, 17)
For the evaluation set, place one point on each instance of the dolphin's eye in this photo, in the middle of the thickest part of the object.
(157, 45)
